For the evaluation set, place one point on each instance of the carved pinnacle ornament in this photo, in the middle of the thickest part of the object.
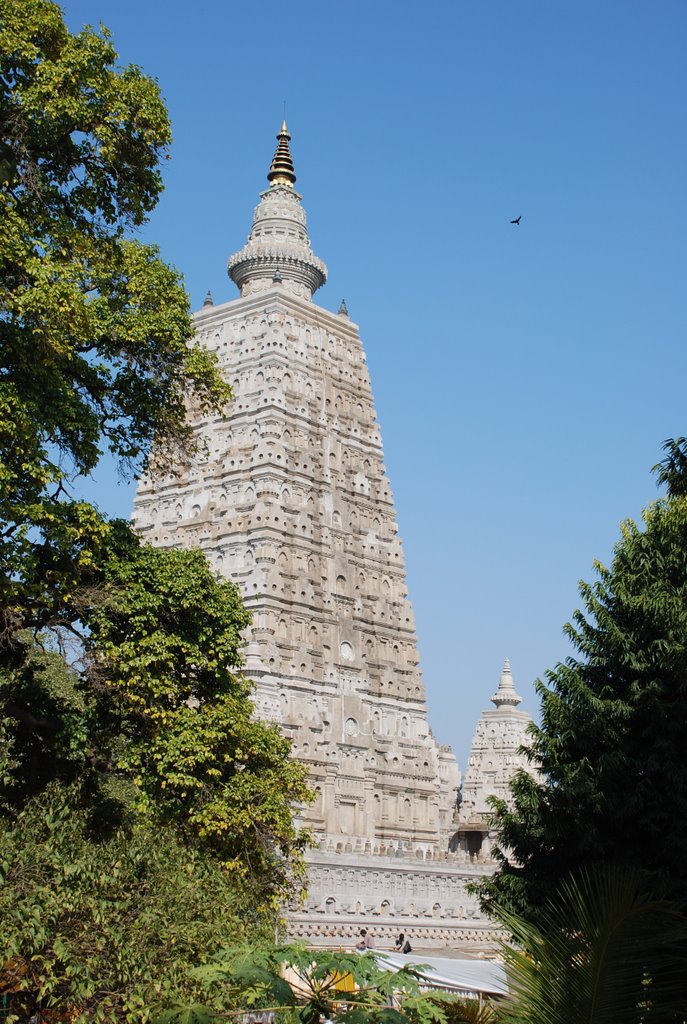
(506, 692)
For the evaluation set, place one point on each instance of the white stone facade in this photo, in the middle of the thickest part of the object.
(494, 759)
(426, 899)
(290, 499)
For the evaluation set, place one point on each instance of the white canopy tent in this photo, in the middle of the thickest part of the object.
(464, 977)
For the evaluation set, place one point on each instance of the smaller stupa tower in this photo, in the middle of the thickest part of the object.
(494, 759)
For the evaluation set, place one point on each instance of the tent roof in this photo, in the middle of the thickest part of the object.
(469, 976)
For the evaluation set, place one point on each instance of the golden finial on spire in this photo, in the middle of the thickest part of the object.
(281, 171)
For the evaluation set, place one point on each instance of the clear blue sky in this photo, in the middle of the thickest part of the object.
(524, 377)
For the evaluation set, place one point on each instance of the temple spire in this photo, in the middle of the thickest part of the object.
(281, 171)
(506, 692)
(278, 250)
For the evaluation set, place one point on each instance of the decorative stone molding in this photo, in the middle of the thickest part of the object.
(278, 250)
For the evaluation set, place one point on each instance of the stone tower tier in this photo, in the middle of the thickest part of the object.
(291, 500)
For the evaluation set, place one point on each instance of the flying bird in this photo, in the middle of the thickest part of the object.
(517, 220)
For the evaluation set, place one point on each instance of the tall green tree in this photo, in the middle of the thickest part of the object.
(610, 745)
(146, 816)
(94, 326)
(171, 711)
(122, 714)
(156, 700)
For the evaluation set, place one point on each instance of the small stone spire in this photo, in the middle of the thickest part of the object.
(343, 308)
(506, 695)
(281, 171)
(208, 299)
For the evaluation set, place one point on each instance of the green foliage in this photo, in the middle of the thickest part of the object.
(164, 650)
(94, 327)
(104, 917)
(309, 987)
(145, 748)
(195, 1014)
(601, 952)
(43, 719)
(134, 782)
(671, 471)
(611, 740)
(156, 701)
(468, 1011)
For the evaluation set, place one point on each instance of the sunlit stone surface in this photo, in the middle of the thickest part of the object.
(291, 500)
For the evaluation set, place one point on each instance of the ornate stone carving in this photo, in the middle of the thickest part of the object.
(278, 250)
(494, 759)
(290, 499)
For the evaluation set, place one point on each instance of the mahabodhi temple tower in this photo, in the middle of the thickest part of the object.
(290, 499)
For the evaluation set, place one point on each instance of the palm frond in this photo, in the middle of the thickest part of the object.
(602, 952)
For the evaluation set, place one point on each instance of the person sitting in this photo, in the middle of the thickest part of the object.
(402, 944)
(365, 941)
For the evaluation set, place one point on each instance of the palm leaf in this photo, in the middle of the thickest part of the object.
(462, 1010)
(603, 952)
